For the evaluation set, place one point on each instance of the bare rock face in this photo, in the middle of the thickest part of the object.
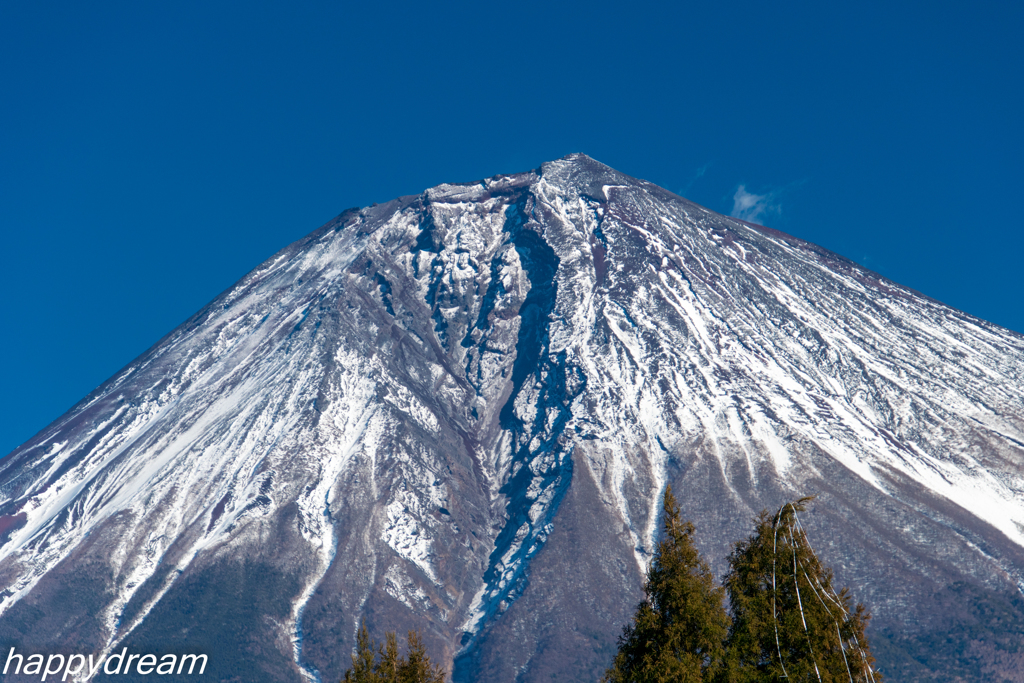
(457, 412)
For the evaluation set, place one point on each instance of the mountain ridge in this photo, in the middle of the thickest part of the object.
(420, 414)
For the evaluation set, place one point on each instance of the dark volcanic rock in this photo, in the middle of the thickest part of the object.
(457, 412)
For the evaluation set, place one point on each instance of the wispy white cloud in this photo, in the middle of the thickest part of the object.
(748, 206)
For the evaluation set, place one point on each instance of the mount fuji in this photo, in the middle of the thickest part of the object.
(458, 411)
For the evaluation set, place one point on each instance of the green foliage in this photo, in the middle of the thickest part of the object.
(788, 621)
(376, 663)
(677, 633)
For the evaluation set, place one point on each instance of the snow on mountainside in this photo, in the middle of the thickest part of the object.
(457, 412)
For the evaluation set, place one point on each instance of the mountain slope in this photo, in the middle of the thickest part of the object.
(457, 412)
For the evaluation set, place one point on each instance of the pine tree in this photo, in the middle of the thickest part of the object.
(363, 661)
(415, 667)
(788, 621)
(677, 633)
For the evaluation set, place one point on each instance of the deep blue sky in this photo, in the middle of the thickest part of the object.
(153, 153)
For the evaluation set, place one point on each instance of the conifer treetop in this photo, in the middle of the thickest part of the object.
(381, 663)
(677, 632)
(788, 620)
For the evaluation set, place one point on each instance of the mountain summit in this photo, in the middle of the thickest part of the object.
(458, 411)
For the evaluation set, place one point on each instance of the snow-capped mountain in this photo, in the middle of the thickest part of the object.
(457, 412)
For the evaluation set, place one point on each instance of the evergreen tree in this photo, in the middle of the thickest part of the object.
(364, 660)
(415, 667)
(788, 621)
(677, 633)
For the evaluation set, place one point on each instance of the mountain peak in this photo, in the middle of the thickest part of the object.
(457, 411)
